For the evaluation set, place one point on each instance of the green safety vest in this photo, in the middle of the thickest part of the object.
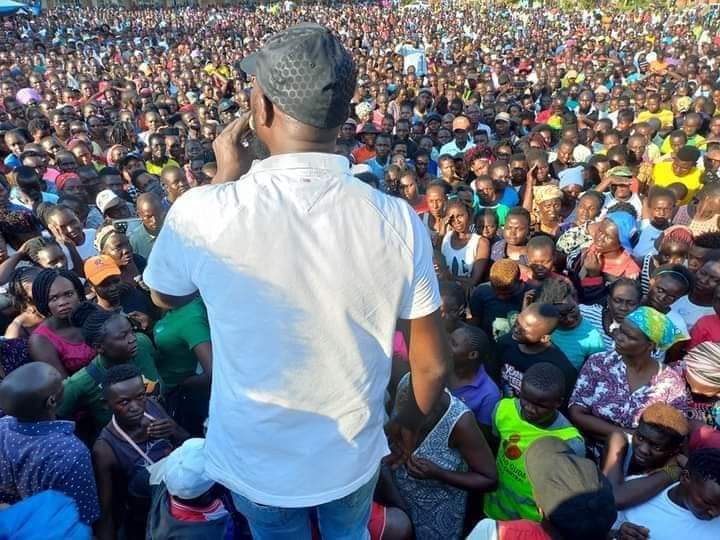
(513, 498)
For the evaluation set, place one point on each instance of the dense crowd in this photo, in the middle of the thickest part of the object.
(564, 167)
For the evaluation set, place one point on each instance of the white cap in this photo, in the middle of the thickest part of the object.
(183, 471)
(107, 199)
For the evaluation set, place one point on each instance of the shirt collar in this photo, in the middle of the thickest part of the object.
(46, 427)
(306, 160)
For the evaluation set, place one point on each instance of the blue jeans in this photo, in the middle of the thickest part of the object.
(342, 519)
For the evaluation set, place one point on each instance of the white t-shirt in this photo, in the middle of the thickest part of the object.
(668, 521)
(690, 312)
(304, 271)
(85, 250)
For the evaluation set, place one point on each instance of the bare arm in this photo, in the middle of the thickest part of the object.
(203, 352)
(41, 350)
(104, 462)
(482, 473)
(629, 493)
(9, 265)
(592, 425)
(482, 257)
(529, 185)
(429, 354)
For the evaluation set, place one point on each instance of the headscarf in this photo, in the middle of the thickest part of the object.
(626, 227)
(63, 178)
(108, 156)
(546, 193)
(571, 177)
(656, 326)
(102, 236)
(702, 364)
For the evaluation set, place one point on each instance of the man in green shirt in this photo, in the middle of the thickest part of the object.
(113, 338)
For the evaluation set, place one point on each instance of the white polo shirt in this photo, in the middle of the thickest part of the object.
(304, 271)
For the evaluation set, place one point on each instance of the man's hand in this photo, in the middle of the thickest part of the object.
(233, 159)
(402, 444)
(160, 429)
(630, 531)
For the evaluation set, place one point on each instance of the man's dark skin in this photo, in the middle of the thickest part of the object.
(32, 392)
(127, 400)
(282, 134)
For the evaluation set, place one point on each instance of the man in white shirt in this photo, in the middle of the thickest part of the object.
(304, 271)
(461, 142)
(689, 508)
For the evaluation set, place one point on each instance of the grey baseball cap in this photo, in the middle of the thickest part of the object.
(307, 73)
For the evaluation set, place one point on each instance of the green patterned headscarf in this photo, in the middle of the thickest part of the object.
(657, 327)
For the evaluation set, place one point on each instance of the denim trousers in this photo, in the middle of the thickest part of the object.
(342, 519)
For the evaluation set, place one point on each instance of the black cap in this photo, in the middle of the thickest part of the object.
(307, 73)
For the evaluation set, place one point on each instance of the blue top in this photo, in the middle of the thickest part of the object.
(579, 342)
(510, 197)
(480, 396)
(37, 456)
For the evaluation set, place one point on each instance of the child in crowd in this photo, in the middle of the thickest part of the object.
(518, 422)
(469, 381)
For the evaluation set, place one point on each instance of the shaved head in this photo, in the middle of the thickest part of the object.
(31, 392)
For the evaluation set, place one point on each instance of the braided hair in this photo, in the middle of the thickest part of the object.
(38, 244)
(91, 319)
(44, 281)
(16, 290)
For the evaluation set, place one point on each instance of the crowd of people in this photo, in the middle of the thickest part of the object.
(562, 171)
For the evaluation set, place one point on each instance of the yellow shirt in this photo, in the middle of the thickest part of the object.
(665, 116)
(157, 169)
(664, 176)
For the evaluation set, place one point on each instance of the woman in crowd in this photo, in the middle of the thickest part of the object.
(450, 458)
(515, 237)
(56, 341)
(576, 234)
(606, 259)
(42, 252)
(673, 246)
(701, 369)
(20, 291)
(466, 253)
(115, 244)
(112, 337)
(614, 387)
(624, 297)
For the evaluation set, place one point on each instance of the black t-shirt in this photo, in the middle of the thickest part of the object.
(494, 315)
(515, 362)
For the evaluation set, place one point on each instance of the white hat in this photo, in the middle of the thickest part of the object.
(183, 471)
(107, 199)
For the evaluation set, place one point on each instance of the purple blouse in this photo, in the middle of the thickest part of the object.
(602, 387)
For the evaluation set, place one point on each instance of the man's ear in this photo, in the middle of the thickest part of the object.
(545, 339)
